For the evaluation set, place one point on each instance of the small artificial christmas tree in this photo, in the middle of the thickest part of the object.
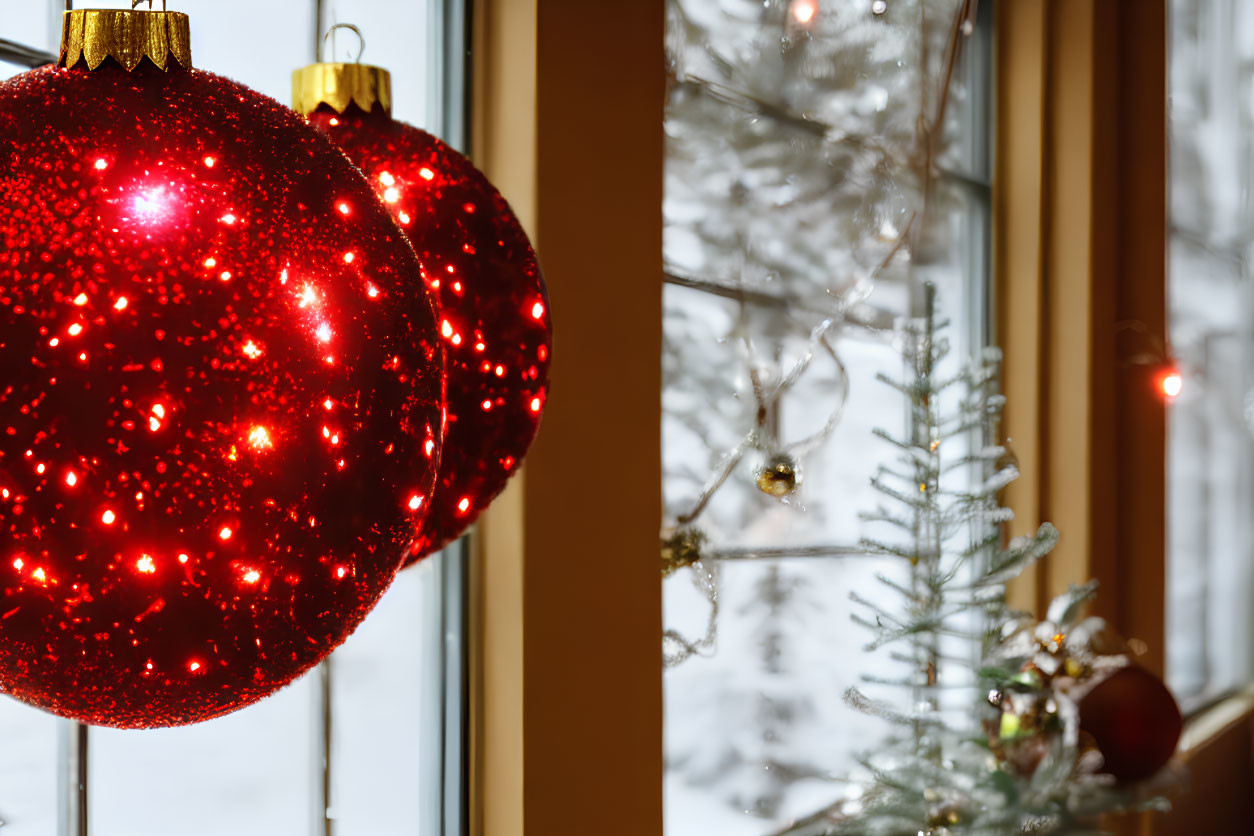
(1007, 724)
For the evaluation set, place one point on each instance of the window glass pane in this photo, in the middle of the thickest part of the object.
(1210, 566)
(387, 727)
(248, 773)
(259, 771)
(35, 25)
(790, 129)
(28, 770)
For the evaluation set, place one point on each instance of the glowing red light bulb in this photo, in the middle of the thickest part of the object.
(1171, 383)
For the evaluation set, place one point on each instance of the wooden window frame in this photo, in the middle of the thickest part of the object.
(566, 669)
(1080, 245)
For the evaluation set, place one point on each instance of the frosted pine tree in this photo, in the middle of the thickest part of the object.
(982, 745)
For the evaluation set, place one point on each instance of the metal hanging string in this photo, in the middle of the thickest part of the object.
(135, 3)
(331, 33)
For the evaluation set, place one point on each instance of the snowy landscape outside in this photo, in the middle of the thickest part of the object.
(1210, 555)
(789, 187)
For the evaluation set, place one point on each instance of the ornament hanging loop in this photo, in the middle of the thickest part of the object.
(361, 39)
(341, 84)
(135, 3)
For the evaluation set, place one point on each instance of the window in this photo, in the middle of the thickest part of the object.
(387, 706)
(1210, 628)
(788, 128)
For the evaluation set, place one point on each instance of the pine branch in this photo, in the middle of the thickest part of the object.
(1019, 555)
(859, 701)
(882, 515)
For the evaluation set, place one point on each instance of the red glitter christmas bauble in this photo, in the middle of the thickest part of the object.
(494, 313)
(1134, 720)
(220, 405)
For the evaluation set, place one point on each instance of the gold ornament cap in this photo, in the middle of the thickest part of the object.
(128, 37)
(339, 85)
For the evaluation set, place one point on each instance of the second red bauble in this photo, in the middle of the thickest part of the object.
(494, 311)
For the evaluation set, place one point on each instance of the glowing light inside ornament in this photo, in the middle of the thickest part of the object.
(121, 303)
(463, 505)
(101, 164)
(252, 576)
(108, 517)
(157, 417)
(80, 299)
(259, 438)
(71, 478)
(415, 502)
(146, 565)
(1171, 383)
(323, 332)
(426, 174)
(251, 350)
(344, 208)
(537, 310)
(225, 533)
(150, 204)
(210, 162)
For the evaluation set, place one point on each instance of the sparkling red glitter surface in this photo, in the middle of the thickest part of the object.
(494, 312)
(220, 395)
